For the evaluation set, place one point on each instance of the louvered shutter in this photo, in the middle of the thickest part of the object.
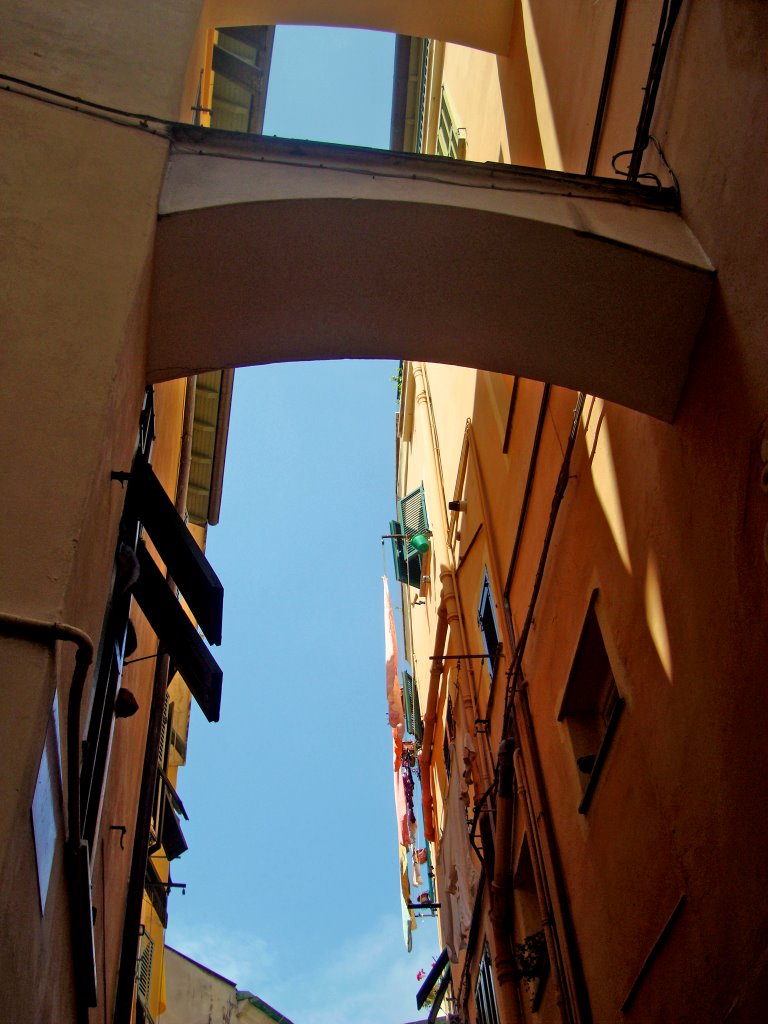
(408, 701)
(418, 725)
(398, 553)
(413, 519)
(144, 968)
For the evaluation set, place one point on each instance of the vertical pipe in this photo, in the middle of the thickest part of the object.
(605, 88)
(504, 961)
(444, 555)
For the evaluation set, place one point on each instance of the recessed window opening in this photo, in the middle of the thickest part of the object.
(486, 619)
(530, 947)
(591, 706)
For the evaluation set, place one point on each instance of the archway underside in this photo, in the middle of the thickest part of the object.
(325, 253)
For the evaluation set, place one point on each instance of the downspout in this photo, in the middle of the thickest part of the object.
(567, 964)
(444, 557)
(546, 845)
(425, 756)
(605, 88)
(524, 505)
(501, 889)
(560, 487)
(37, 631)
(494, 557)
(123, 1009)
(41, 632)
(669, 12)
(554, 949)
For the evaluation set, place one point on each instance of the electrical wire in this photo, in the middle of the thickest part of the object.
(138, 121)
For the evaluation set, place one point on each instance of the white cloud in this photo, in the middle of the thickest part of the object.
(368, 979)
(356, 978)
(239, 956)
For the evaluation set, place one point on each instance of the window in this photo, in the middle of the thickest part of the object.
(486, 619)
(412, 521)
(451, 140)
(591, 706)
(165, 828)
(144, 969)
(485, 993)
(413, 722)
(530, 949)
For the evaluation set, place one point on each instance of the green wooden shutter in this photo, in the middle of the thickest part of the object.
(413, 519)
(408, 701)
(398, 553)
(418, 725)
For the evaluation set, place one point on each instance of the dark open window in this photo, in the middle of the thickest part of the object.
(591, 706)
(486, 619)
(412, 520)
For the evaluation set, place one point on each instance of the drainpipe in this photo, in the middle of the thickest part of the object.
(123, 1009)
(524, 506)
(37, 631)
(572, 983)
(501, 889)
(493, 554)
(444, 558)
(519, 720)
(605, 88)
(669, 12)
(41, 632)
(425, 757)
(554, 949)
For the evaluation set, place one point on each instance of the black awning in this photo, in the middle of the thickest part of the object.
(190, 569)
(442, 988)
(431, 980)
(184, 644)
(171, 835)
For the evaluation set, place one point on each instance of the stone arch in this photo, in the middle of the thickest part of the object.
(269, 250)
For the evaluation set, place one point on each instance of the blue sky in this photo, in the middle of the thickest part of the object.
(292, 868)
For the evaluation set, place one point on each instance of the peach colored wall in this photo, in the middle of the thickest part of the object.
(79, 197)
(668, 521)
(474, 77)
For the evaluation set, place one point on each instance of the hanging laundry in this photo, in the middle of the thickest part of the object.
(409, 918)
(457, 870)
(401, 803)
(416, 875)
(394, 694)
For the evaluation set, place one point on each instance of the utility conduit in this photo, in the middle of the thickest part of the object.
(444, 556)
(38, 631)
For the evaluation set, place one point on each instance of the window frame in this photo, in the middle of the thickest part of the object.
(592, 702)
(487, 1007)
(486, 604)
(409, 564)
